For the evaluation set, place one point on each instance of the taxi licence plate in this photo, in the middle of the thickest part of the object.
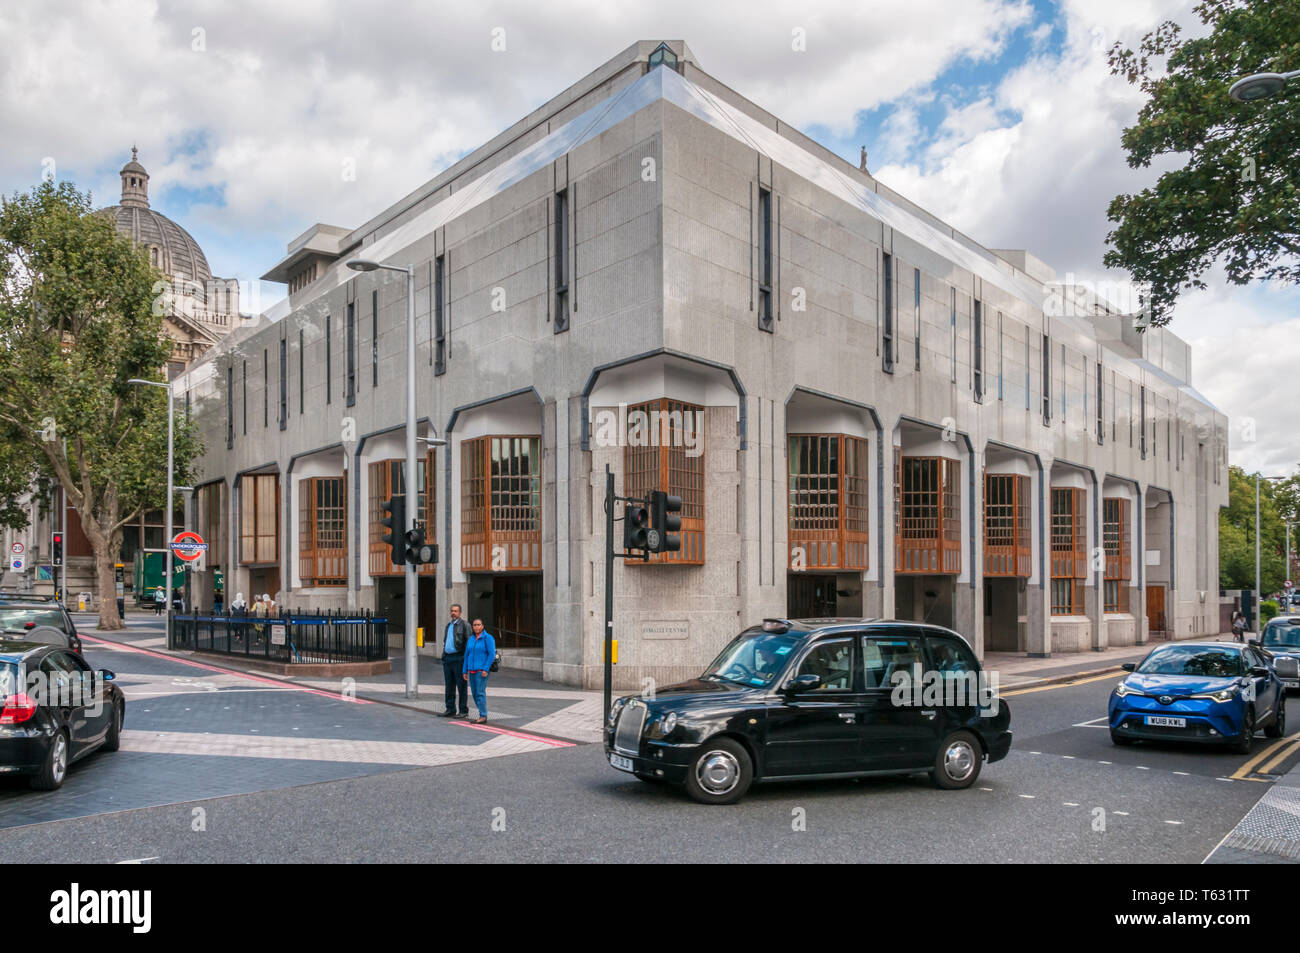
(620, 762)
(1163, 721)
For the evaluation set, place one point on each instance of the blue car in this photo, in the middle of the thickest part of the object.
(1213, 692)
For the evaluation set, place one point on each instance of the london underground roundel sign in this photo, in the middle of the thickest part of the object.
(189, 546)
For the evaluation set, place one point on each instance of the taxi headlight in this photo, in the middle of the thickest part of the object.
(668, 722)
(614, 709)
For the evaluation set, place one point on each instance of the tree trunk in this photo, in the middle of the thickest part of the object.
(108, 617)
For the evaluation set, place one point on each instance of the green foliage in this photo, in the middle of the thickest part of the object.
(77, 320)
(1235, 197)
(1267, 609)
(1237, 531)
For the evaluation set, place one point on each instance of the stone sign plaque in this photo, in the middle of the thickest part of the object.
(666, 630)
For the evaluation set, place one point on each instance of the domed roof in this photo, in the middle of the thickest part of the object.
(179, 253)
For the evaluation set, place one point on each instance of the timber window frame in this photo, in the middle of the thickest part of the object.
(1069, 549)
(1118, 545)
(659, 460)
(322, 532)
(259, 519)
(501, 508)
(827, 504)
(1008, 530)
(927, 515)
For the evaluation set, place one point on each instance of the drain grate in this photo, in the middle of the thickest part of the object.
(1272, 826)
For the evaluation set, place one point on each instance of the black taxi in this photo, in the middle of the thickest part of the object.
(817, 698)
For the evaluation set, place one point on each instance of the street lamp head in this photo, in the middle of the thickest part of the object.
(1257, 86)
(363, 264)
(137, 380)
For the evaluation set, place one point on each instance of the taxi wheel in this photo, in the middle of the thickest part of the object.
(721, 773)
(958, 761)
(55, 768)
(113, 740)
(1278, 728)
(1247, 736)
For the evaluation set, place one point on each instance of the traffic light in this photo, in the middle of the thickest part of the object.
(664, 518)
(394, 519)
(636, 527)
(418, 552)
(56, 549)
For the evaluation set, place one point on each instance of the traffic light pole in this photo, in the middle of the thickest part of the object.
(412, 495)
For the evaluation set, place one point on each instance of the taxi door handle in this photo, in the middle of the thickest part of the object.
(847, 716)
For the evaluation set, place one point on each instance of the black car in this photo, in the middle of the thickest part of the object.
(29, 620)
(816, 698)
(56, 710)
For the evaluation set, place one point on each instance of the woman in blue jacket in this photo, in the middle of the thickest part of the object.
(480, 651)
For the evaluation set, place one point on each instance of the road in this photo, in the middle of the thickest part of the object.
(233, 768)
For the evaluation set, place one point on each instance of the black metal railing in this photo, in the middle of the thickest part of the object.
(291, 636)
(510, 639)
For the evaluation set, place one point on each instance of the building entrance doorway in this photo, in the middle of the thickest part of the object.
(925, 599)
(1156, 613)
(511, 605)
(811, 597)
(1002, 611)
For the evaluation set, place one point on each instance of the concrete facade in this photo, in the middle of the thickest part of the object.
(665, 174)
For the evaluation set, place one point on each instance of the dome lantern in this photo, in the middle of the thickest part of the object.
(135, 183)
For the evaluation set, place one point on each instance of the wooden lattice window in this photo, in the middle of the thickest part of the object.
(322, 532)
(1119, 561)
(1069, 550)
(211, 520)
(1007, 541)
(665, 451)
(259, 519)
(388, 478)
(928, 515)
(828, 516)
(501, 505)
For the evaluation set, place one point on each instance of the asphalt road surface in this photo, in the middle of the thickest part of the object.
(342, 781)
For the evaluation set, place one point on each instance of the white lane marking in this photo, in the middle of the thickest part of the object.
(1185, 774)
(138, 860)
(1071, 803)
(323, 749)
(1120, 813)
(1173, 822)
(1093, 724)
(1223, 779)
(1143, 767)
(1105, 762)
(1068, 757)
(1035, 752)
(986, 789)
(1029, 796)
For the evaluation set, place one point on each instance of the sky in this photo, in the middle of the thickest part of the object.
(257, 120)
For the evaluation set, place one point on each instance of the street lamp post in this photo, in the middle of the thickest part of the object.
(1258, 593)
(1260, 86)
(412, 486)
(167, 516)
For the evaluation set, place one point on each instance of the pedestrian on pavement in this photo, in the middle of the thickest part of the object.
(454, 638)
(1238, 626)
(480, 652)
(159, 600)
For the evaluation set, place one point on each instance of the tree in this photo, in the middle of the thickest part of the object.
(1237, 532)
(1235, 198)
(77, 320)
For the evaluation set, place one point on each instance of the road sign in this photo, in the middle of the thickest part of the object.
(189, 546)
(17, 549)
(1288, 584)
(18, 562)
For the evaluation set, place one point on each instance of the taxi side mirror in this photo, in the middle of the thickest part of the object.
(1129, 666)
(1259, 671)
(804, 683)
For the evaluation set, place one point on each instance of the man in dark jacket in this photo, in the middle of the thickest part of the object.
(454, 637)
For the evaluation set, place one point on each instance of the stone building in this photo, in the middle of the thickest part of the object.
(865, 411)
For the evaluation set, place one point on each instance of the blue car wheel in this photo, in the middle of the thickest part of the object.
(1247, 736)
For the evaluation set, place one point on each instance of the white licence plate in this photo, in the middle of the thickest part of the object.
(1291, 682)
(620, 762)
(1166, 722)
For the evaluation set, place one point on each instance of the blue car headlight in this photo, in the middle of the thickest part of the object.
(1223, 695)
(1122, 690)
